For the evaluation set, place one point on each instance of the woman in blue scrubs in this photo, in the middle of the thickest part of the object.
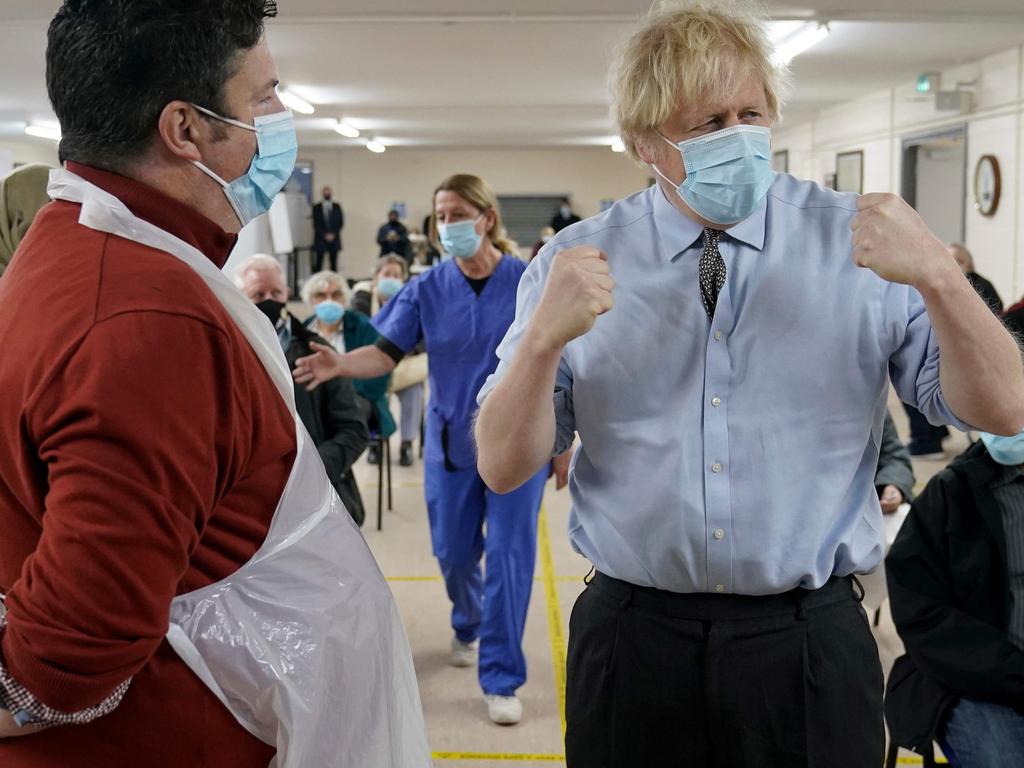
(462, 309)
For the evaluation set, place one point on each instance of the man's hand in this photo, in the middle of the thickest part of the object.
(324, 365)
(891, 240)
(890, 499)
(579, 289)
(560, 469)
(328, 237)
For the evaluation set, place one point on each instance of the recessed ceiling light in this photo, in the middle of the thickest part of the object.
(375, 146)
(51, 132)
(795, 43)
(618, 146)
(295, 103)
(346, 130)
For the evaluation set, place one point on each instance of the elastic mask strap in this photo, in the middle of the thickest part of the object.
(225, 186)
(223, 119)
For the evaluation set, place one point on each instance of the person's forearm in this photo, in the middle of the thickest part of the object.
(366, 363)
(515, 430)
(981, 372)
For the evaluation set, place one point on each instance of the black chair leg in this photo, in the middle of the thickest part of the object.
(891, 755)
(380, 487)
(387, 452)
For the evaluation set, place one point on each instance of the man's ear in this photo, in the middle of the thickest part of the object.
(646, 150)
(181, 130)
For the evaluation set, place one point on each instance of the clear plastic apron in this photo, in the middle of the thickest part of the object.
(303, 644)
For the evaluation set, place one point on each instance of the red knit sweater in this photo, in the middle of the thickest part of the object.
(143, 450)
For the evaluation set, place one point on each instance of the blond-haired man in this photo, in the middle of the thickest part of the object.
(729, 409)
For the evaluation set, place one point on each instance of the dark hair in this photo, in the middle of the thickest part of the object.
(113, 65)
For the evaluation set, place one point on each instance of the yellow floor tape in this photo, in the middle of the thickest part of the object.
(558, 648)
(497, 756)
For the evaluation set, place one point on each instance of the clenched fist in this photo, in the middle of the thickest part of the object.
(578, 290)
(891, 240)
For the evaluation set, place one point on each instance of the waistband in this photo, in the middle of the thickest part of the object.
(701, 606)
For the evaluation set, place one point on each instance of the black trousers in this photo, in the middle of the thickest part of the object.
(319, 251)
(658, 679)
(924, 436)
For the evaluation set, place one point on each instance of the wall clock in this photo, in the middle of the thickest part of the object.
(987, 185)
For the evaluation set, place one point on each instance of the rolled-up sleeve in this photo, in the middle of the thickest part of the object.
(914, 366)
(531, 288)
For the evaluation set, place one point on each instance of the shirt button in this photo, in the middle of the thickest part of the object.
(719, 587)
(716, 467)
(718, 335)
(716, 401)
(719, 534)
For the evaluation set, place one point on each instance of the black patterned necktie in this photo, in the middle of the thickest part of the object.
(712, 270)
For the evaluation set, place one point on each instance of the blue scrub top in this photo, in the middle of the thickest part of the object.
(461, 331)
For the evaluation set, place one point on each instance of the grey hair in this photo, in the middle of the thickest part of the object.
(320, 280)
(259, 262)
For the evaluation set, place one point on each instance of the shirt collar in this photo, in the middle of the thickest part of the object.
(1006, 475)
(678, 231)
(163, 211)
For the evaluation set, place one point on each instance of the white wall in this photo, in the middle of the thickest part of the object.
(367, 184)
(40, 151)
(878, 123)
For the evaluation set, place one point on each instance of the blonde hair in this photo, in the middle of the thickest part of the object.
(319, 281)
(690, 53)
(398, 261)
(259, 262)
(479, 194)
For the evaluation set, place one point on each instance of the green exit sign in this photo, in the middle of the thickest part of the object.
(927, 82)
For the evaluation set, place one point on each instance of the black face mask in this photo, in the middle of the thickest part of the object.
(327, 198)
(274, 310)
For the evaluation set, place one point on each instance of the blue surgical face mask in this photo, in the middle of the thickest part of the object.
(728, 172)
(329, 312)
(276, 149)
(1005, 450)
(388, 287)
(460, 239)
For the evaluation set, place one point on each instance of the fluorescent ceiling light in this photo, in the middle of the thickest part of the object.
(798, 41)
(618, 146)
(346, 130)
(51, 132)
(375, 146)
(295, 103)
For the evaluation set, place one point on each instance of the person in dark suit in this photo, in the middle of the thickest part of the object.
(393, 237)
(564, 217)
(328, 221)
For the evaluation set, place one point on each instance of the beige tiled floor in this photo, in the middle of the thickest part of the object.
(460, 734)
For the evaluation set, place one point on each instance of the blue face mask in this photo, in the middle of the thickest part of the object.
(1005, 450)
(388, 287)
(460, 239)
(728, 172)
(329, 312)
(276, 149)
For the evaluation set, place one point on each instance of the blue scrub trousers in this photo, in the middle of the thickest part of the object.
(491, 607)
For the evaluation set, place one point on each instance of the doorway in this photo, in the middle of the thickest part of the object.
(935, 180)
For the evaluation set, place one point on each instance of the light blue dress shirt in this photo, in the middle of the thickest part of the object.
(736, 455)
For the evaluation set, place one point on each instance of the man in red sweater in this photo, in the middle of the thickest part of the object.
(143, 446)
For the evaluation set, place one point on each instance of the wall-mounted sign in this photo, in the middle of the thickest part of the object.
(987, 185)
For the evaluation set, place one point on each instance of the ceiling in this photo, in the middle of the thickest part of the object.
(525, 73)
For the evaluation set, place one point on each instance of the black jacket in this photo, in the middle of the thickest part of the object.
(558, 223)
(950, 600)
(335, 224)
(334, 421)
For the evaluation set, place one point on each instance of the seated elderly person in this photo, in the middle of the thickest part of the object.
(956, 586)
(344, 329)
(331, 413)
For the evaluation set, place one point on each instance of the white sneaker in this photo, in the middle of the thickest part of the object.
(504, 710)
(463, 654)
